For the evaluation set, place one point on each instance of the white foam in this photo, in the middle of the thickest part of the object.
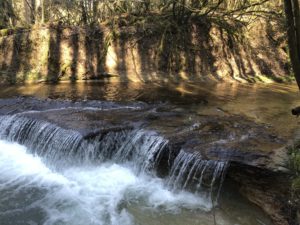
(88, 195)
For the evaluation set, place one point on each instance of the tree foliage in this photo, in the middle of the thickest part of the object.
(78, 12)
(294, 165)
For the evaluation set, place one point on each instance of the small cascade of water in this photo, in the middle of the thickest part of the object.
(190, 171)
(67, 147)
(144, 148)
(139, 148)
(31, 193)
(113, 166)
(44, 139)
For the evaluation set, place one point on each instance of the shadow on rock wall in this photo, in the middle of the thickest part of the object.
(166, 51)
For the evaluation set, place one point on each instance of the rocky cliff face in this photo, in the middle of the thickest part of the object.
(200, 51)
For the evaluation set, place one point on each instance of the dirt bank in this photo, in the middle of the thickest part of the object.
(145, 52)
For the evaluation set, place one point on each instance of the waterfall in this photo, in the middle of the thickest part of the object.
(140, 148)
(33, 193)
(191, 171)
(66, 174)
(67, 147)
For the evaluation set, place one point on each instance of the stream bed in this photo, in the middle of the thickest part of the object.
(53, 171)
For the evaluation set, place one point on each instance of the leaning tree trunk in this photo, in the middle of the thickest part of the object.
(293, 32)
(296, 13)
(42, 11)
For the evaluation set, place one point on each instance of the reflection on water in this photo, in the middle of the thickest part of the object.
(270, 104)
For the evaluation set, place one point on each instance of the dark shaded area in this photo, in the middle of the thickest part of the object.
(95, 53)
(147, 63)
(226, 53)
(100, 52)
(190, 54)
(26, 57)
(75, 52)
(121, 51)
(239, 61)
(7, 14)
(3, 48)
(267, 189)
(296, 111)
(172, 47)
(16, 58)
(205, 49)
(89, 52)
(32, 11)
(21, 51)
(54, 64)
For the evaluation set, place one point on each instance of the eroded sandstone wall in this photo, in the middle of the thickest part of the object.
(55, 52)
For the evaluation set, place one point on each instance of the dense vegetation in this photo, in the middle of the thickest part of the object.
(294, 164)
(77, 12)
(178, 30)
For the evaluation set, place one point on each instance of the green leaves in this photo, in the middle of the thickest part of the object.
(294, 165)
(295, 161)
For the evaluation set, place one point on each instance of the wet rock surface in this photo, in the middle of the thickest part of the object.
(250, 148)
(267, 189)
(228, 138)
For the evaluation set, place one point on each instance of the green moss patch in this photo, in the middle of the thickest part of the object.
(294, 165)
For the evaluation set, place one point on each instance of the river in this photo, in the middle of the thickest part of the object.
(35, 190)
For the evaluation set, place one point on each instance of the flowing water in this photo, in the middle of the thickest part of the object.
(54, 176)
(269, 104)
(32, 192)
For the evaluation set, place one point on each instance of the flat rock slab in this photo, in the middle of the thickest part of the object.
(255, 151)
(232, 137)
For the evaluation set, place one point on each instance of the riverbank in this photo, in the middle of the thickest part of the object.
(147, 51)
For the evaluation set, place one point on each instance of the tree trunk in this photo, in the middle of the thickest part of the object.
(297, 23)
(83, 12)
(291, 12)
(43, 11)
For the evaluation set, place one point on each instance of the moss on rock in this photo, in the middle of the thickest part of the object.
(294, 165)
